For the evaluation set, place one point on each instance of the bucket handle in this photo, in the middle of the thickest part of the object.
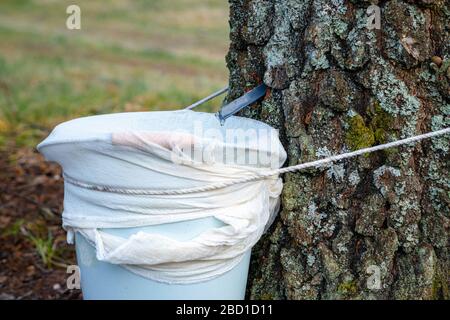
(234, 106)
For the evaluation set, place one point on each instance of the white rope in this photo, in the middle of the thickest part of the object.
(262, 175)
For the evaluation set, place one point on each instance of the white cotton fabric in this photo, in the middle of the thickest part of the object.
(153, 150)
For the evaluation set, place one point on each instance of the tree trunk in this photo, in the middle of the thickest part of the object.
(376, 226)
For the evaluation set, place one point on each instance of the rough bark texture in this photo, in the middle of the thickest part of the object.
(336, 86)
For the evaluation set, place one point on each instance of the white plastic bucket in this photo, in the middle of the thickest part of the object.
(101, 280)
(86, 150)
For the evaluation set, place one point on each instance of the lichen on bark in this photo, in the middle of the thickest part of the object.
(335, 86)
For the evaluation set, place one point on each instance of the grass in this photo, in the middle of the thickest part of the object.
(14, 230)
(45, 247)
(130, 55)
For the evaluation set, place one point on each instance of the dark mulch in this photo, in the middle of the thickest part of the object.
(33, 251)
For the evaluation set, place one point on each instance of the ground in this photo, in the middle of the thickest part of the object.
(33, 252)
(128, 56)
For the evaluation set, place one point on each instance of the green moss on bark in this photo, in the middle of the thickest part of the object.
(359, 135)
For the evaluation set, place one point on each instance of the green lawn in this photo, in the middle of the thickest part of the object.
(129, 55)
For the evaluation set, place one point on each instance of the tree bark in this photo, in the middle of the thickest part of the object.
(334, 86)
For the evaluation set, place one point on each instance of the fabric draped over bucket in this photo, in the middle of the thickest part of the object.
(154, 150)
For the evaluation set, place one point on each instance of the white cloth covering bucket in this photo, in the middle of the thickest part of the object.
(135, 237)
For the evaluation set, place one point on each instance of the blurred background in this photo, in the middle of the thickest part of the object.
(130, 55)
